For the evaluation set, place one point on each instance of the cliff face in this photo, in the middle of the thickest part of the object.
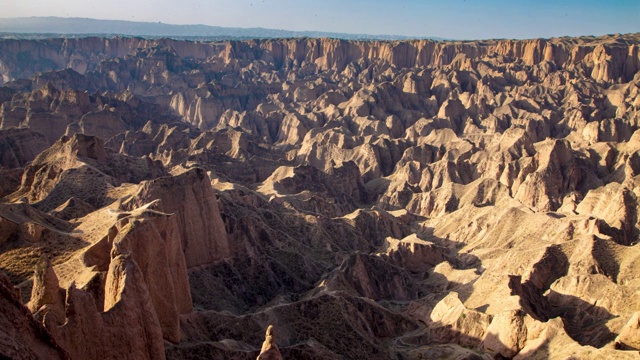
(123, 293)
(21, 336)
(616, 60)
(189, 196)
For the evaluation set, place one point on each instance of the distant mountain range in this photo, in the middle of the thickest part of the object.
(39, 27)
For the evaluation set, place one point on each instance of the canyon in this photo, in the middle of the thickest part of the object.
(168, 199)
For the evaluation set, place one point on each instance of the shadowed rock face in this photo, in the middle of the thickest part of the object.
(20, 146)
(21, 336)
(414, 199)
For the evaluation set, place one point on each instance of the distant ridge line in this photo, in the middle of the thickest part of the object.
(36, 27)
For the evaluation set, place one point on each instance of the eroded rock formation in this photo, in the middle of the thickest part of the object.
(414, 199)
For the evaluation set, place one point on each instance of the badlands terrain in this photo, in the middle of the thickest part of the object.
(370, 200)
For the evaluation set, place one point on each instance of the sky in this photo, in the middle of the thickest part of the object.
(452, 19)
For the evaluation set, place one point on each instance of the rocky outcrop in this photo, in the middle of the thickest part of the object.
(21, 336)
(414, 254)
(555, 170)
(190, 197)
(128, 328)
(53, 111)
(155, 247)
(133, 278)
(336, 193)
(80, 165)
(628, 337)
(269, 350)
(468, 325)
(103, 124)
(506, 335)
(46, 295)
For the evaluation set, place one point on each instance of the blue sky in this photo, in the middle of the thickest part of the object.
(456, 19)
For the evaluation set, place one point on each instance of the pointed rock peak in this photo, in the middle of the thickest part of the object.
(46, 288)
(78, 303)
(269, 349)
(22, 336)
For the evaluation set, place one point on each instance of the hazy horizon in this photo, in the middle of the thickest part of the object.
(457, 19)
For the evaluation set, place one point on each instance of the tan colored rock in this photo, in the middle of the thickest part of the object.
(414, 254)
(506, 334)
(80, 166)
(190, 197)
(333, 194)
(629, 338)
(72, 209)
(614, 204)
(269, 350)
(154, 245)
(376, 225)
(469, 326)
(555, 173)
(128, 328)
(551, 338)
(127, 295)
(46, 291)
